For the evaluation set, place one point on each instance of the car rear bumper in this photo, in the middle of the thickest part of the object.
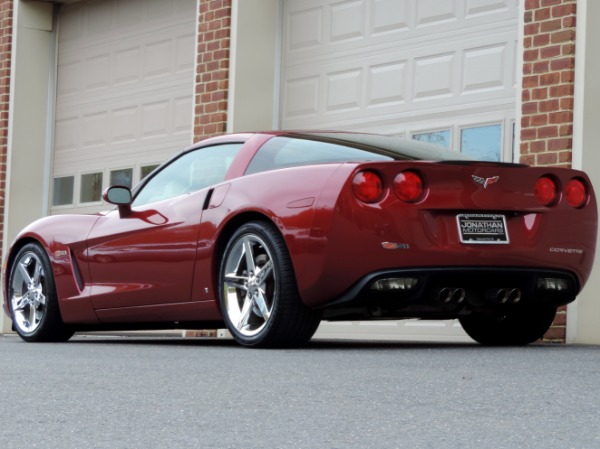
(449, 292)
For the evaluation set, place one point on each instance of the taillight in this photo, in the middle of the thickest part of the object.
(576, 193)
(409, 186)
(368, 186)
(546, 191)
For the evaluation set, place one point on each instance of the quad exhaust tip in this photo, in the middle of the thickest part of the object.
(449, 295)
(506, 295)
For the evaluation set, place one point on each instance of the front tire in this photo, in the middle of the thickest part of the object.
(515, 328)
(258, 293)
(32, 299)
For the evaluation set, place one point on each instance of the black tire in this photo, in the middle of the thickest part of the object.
(32, 299)
(515, 328)
(258, 293)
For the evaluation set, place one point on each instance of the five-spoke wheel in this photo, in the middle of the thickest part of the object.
(32, 297)
(258, 293)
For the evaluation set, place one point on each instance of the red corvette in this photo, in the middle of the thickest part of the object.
(270, 233)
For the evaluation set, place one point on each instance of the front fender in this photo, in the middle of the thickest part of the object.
(63, 238)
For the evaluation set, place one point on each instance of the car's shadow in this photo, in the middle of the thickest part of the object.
(313, 345)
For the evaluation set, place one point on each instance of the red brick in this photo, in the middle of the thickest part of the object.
(562, 36)
(550, 52)
(531, 81)
(547, 132)
(532, 4)
(560, 117)
(567, 76)
(528, 133)
(532, 55)
(548, 105)
(541, 67)
(565, 130)
(539, 120)
(537, 146)
(569, 22)
(565, 157)
(548, 79)
(567, 103)
(532, 29)
(565, 9)
(568, 49)
(562, 64)
(540, 93)
(551, 25)
(561, 90)
(542, 14)
(559, 144)
(527, 159)
(530, 107)
(555, 334)
(541, 40)
(547, 158)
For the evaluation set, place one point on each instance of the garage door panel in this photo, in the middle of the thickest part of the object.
(400, 82)
(320, 29)
(124, 86)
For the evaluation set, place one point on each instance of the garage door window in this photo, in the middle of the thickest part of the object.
(146, 170)
(441, 138)
(63, 191)
(91, 187)
(482, 142)
(123, 177)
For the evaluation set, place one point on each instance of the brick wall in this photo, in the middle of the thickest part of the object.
(547, 94)
(6, 23)
(212, 68)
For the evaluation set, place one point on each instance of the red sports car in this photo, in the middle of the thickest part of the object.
(270, 233)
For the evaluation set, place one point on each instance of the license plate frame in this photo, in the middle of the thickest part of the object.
(482, 229)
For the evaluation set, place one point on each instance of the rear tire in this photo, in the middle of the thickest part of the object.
(32, 296)
(515, 328)
(258, 293)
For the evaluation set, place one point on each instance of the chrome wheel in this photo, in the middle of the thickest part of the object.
(32, 297)
(258, 294)
(249, 285)
(28, 292)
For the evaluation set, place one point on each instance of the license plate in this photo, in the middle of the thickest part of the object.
(482, 228)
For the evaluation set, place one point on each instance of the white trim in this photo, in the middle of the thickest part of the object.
(194, 83)
(232, 64)
(516, 154)
(52, 83)
(278, 66)
(579, 85)
(578, 125)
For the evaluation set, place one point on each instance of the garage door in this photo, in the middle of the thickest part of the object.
(436, 70)
(124, 94)
(442, 71)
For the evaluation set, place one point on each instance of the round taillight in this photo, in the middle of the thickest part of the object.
(546, 191)
(576, 193)
(367, 186)
(409, 186)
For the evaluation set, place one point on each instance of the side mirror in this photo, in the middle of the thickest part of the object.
(119, 196)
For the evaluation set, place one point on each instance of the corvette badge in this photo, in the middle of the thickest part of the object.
(485, 181)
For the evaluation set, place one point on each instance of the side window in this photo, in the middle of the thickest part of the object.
(188, 173)
(281, 152)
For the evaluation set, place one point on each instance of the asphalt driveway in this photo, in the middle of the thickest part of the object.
(140, 392)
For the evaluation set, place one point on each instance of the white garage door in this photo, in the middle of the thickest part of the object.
(124, 94)
(436, 70)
